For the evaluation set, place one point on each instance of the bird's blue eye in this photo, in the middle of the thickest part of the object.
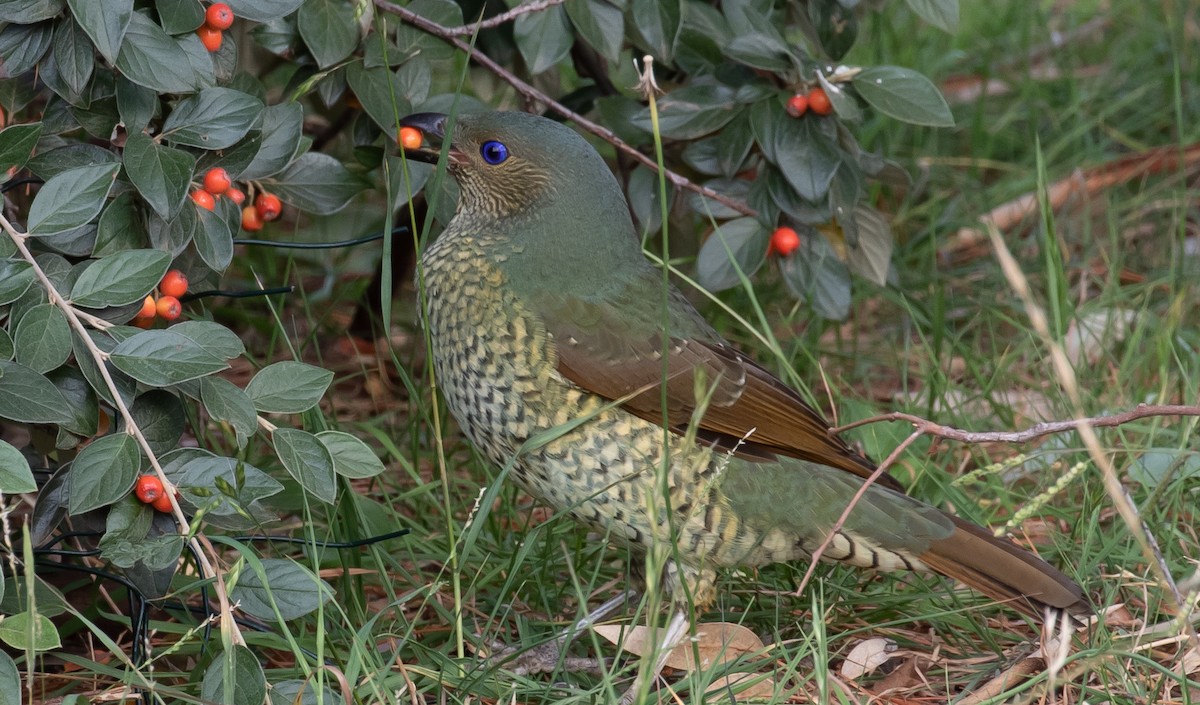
(493, 152)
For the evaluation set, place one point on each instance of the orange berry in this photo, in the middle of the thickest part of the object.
(148, 308)
(252, 222)
(797, 105)
(210, 38)
(163, 503)
(216, 181)
(236, 195)
(173, 284)
(219, 16)
(784, 242)
(410, 138)
(268, 205)
(204, 199)
(148, 488)
(169, 307)
(819, 102)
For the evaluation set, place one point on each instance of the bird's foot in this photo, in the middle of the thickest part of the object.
(551, 656)
(543, 658)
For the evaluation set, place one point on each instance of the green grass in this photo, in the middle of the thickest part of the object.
(951, 342)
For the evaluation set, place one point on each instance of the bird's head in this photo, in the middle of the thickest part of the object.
(512, 163)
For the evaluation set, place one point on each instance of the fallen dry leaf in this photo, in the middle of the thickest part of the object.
(715, 642)
(1091, 336)
(764, 689)
(1189, 664)
(866, 656)
(906, 677)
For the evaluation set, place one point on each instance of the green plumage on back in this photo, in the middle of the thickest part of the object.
(543, 311)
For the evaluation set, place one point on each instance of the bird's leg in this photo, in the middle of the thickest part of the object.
(544, 658)
(672, 637)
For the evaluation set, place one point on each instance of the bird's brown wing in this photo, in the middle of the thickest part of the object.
(615, 346)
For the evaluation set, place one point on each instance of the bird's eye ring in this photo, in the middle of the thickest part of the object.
(493, 152)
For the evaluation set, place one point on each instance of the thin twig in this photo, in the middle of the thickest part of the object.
(837, 525)
(533, 94)
(534, 6)
(74, 318)
(930, 428)
(1087, 432)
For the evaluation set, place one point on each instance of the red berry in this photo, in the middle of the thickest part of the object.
(797, 105)
(410, 138)
(148, 308)
(784, 241)
(210, 38)
(252, 222)
(819, 102)
(219, 16)
(217, 181)
(148, 488)
(268, 205)
(163, 503)
(204, 199)
(174, 284)
(236, 195)
(169, 307)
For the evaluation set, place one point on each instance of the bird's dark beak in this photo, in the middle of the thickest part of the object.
(433, 129)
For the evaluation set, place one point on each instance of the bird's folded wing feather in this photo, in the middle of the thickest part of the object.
(615, 347)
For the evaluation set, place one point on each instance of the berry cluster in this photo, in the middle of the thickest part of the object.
(266, 208)
(217, 19)
(815, 100)
(166, 306)
(149, 490)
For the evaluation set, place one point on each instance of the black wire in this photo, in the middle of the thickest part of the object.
(398, 230)
(325, 544)
(242, 294)
(10, 185)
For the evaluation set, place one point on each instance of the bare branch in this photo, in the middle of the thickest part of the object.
(75, 319)
(529, 7)
(530, 93)
(930, 428)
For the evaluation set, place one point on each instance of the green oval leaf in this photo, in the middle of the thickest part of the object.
(283, 584)
(742, 241)
(152, 58)
(29, 631)
(161, 174)
(105, 21)
(225, 401)
(214, 118)
(70, 199)
(381, 94)
(281, 131)
(903, 94)
(308, 461)
(235, 678)
(29, 397)
(15, 278)
(161, 358)
(103, 472)
(351, 456)
(329, 29)
(544, 37)
(120, 279)
(42, 340)
(16, 146)
(317, 183)
(15, 475)
(288, 387)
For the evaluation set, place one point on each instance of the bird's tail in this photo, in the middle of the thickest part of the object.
(1006, 572)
